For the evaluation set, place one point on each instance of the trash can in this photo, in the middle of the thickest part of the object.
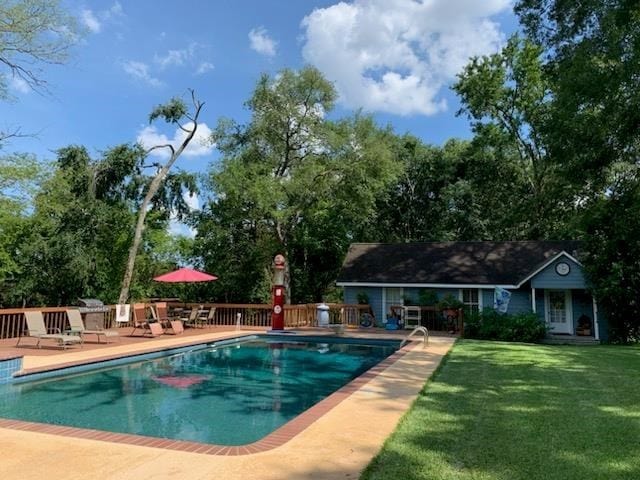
(322, 315)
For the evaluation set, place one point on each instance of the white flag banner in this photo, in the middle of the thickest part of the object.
(501, 299)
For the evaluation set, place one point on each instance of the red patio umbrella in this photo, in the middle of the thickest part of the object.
(185, 275)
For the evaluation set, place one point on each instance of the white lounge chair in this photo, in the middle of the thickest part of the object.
(77, 327)
(37, 329)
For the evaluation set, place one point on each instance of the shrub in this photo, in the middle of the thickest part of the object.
(491, 325)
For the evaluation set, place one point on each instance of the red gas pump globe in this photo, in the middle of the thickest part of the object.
(278, 294)
(279, 261)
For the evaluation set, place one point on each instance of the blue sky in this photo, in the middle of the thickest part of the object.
(393, 58)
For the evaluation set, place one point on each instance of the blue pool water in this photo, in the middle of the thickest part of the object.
(228, 395)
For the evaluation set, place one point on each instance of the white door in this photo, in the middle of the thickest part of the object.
(558, 311)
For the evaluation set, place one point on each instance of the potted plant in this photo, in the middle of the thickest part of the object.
(449, 306)
(362, 298)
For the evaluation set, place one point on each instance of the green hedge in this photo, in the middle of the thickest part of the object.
(491, 325)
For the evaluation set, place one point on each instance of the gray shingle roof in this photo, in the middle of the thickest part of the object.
(477, 263)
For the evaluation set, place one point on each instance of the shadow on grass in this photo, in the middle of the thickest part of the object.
(510, 411)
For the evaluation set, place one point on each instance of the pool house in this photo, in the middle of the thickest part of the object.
(543, 277)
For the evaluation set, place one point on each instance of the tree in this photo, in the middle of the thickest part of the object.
(174, 112)
(293, 182)
(592, 60)
(20, 176)
(612, 255)
(32, 33)
(592, 53)
(506, 96)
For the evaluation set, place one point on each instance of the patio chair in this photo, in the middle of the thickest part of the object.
(160, 314)
(37, 329)
(192, 320)
(76, 326)
(141, 322)
(206, 318)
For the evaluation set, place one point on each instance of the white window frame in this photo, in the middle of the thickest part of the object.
(385, 309)
(461, 298)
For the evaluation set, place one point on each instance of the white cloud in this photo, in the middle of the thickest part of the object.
(88, 18)
(204, 67)
(94, 21)
(115, 10)
(179, 229)
(173, 58)
(192, 200)
(397, 55)
(140, 71)
(199, 146)
(176, 58)
(19, 85)
(261, 42)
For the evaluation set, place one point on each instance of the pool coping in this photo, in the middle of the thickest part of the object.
(275, 439)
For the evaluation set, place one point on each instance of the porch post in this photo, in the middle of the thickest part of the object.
(533, 300)
(595, 318)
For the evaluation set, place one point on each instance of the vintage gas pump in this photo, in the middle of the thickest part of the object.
(278, 294)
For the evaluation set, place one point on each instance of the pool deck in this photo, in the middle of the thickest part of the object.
(337, 440)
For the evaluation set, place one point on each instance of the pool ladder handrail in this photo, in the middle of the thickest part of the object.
(416, 330)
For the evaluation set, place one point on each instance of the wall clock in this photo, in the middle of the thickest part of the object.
(563, 268)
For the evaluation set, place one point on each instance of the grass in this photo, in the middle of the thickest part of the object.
(514, 411)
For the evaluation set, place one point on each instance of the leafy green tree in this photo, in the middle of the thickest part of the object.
(506, 96)
(292, 182)
(612, 255)
(20, 176)
(592, 60)
(75, 241)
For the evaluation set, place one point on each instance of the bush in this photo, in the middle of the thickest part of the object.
(491, 325)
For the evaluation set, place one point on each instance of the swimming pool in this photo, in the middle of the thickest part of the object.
(224, 394)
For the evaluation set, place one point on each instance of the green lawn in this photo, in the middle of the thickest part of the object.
(514, 411)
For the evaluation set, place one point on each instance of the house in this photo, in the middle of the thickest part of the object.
(544, 277)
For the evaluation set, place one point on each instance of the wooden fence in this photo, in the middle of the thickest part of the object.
(12, 322)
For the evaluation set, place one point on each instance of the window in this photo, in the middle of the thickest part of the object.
(393, 297)
(471, 299)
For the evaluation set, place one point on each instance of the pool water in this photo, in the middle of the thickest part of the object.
(227, 395)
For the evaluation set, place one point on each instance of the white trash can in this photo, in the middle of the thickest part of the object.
(322, 315)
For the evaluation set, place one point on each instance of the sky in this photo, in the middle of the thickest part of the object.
(395, 59)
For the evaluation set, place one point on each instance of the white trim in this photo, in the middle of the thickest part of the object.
(546, 264)
(533, 300)
(480, 302)
(595, 319)
(568, 308)
(425, 285)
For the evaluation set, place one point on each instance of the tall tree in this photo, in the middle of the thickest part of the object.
(293, 182)
(506, 96)
(175, 112)
(592, 59)
(592, 56)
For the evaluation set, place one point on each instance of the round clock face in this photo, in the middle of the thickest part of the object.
(563, 268)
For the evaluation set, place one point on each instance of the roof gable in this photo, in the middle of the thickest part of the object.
(457, 263)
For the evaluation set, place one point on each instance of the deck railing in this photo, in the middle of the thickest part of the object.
(13, 325)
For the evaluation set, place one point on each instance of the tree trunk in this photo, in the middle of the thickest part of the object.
(153, 189)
